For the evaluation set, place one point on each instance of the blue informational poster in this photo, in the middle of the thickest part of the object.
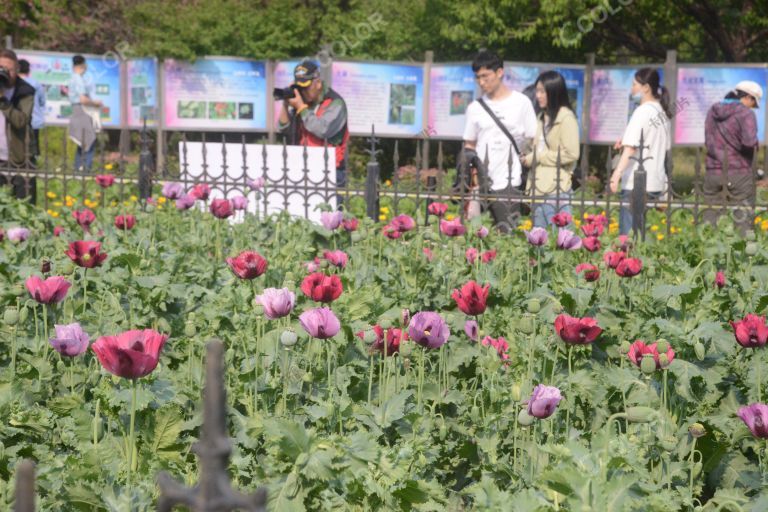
(54, 71)
(574, 82)
(387, 96)
(519, 76)
(282, 77)
(698, 88)
(611, 103)
(142, 92)
(451, 89)
(215, 94)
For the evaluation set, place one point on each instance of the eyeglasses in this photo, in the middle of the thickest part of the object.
(484, 77)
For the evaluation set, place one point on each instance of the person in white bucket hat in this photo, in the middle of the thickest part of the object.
(730, 134)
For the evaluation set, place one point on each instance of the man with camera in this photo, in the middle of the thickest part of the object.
(16, 103)
(38, 110)
(85, 122)
(313, 114)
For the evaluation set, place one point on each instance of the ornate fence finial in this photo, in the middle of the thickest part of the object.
(213, 492)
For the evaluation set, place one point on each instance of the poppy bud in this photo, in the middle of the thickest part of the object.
(45, 266)
(663, 361)
(700, 351)
(647, 364)
(697, 430)
(11, 316)
(307, 377)
(369, 336)
(18, 290)
(624, 347)
(474, 412)
(669, 444)
(288, 338)
(516, 393)
(524, 418)
(662, 345)
(67, 268)
(356, 237)
(526, 325)
(24, 314)
(751, 249)
(189, 329)
(750, 235)
(258, 309)
(534, 306)
(640, 414)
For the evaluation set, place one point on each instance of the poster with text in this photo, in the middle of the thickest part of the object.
(142, 92)
(520, 76)
(451, 90)
(611, 103)
(388, 96)
(215, 94)
(698, 88)
(283, 77)
(54, 71)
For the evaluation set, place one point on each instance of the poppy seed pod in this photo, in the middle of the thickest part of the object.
(647, 364)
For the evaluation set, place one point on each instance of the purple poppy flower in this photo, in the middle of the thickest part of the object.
(537, 236)
(543, 401)
(173, 190)
(70, 340)
(567, 240)
(756, 418)
(470, 327)
(256, 184)
(239, 203)
(482, 232)
(320, 323)
(17, 234)
(428, 329)
(277, 303)
(331, 220)
(185, 202)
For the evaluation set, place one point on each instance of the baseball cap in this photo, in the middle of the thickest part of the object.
(305, 72)
(751, 88)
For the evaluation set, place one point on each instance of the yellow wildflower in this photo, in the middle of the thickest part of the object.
(108, 167)
(660, 237)
(114, 203)
(384, 209)
(654, 228)
(388, 183)
(450, 216)
(382, 218)
(58, 204)
(764, 225)
(613, 228)
(50, 195)
(663, 220)
(674, 229)
(134, 199)
(577, 223)
(758, 219)
(161, 200)
(53, 213)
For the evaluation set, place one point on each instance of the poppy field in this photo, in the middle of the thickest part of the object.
(416, 363)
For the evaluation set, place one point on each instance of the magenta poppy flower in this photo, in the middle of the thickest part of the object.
(471, 329)
(562, 219)
(132, 354)
(428, 329)
(105, 180)
(248, 265)
(452, 227)
(428, 253)
(84, 218)
(543, 401)
(350, 224)
(51, 291)
(629, 267)
(256, 184)
(751, 332)
(471, 298)
(567, 240)
(70, 340)
(591, 272)
(592, 229)
(482, 232)
(471, 255)
(17, 234)
(488, 256)
(499, 344)
(320, 323)
(58, 230)
(591, 243)
(755, 416)
(537, 236)
(720, 279)
(336, 258)
(125, 222)
(391, 232)
(221, 208)
(578, 331)
(331, 220)
(86, 253)
(200, 192)
(639, 349)
(612, 259)
(277, 303)
(403, 223)
(437, 209)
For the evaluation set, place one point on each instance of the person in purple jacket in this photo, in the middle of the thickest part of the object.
(730, 134)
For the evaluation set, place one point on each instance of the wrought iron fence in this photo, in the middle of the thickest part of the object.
(412, 188)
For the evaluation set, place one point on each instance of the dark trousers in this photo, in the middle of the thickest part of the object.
(21, 186)
(731, 190)
(506, 208)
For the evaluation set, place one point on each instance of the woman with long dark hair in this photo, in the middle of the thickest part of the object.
(651, 121)
(730, 134)
(557, 136)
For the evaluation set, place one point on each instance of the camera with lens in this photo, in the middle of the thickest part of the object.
(284, 93)
(5, 78)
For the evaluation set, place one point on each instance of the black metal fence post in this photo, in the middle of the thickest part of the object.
(25, 487)
(373, 168)
(638, 202)
(213, 492)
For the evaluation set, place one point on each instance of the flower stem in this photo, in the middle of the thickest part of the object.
(85, 290)
(132, 439)
(568, 402)
(690, 464)
(759, 378)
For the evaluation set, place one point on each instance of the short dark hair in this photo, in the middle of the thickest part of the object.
(23, 66)
(5, 53)
(78, 60)
(486, 59)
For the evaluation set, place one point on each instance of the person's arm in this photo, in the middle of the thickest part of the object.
(19, 116)
(329, 124)
(86, 101)
(568, 144)
(748, 132)
(284, 119)
(624, 163)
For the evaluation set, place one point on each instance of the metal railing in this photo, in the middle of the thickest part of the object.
(140, 177)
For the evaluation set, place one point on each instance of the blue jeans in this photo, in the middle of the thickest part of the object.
(543, 212)
(625, 213)
(86, 162)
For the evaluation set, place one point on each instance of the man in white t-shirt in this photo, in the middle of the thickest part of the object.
(483, 136)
